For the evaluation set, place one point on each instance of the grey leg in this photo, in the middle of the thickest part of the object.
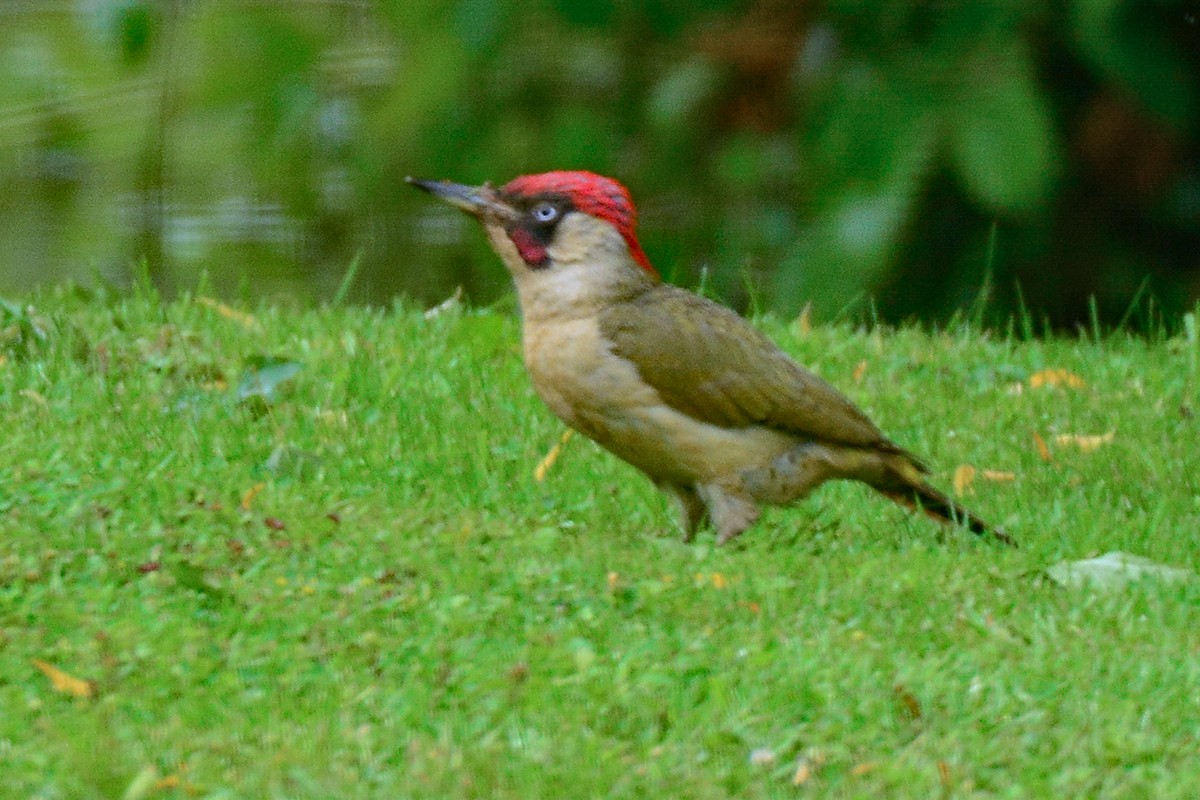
(730, 513)
(692, 513)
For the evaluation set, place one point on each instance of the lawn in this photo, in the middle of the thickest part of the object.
(297, 553)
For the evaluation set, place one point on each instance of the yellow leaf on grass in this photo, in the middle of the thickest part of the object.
(1086, 443)
(170, 782)
(998, 475)
(1056, 377)
(240, 317)
(860, 369)
(803, 322)
(807, 766)
(1042, 449)
(65, 682)
(860, 769)
(250, 494)
(964, 478)
(539, 474)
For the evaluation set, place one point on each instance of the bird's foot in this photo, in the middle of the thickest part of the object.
(730, 513)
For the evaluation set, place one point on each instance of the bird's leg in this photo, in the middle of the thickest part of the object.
(730, 512)
(692, 513)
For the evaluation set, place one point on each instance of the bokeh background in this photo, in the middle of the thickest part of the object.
(894, 158)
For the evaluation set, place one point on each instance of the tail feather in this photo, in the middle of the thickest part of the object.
(937, 505)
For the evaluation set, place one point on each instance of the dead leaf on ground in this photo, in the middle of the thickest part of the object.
(964, 479)
(762, 757)
(998, 475)
(944, 775)
(860, 369)
(1043, 449)
(240, 317)
(862, 768)
(717, 579)
(1086, 443)
(449, 304)
(1056, 377)
(65, 682)
(543, 467)
(142, 784)
(172, 781)
(807, 766)
(251, 493)
(267, 380)
(614, 580)
(803, 323)
(909, 705)
(1114, 570)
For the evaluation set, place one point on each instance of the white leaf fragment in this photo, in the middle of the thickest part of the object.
(1114, 570)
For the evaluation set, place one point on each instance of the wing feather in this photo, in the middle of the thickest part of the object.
(717, 368)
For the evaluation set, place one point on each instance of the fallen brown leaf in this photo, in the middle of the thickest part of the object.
(860, 369)
(451, 302)
(539, 473)
(807, 766)
(1086, 443)
(240, 317)
(803, 322)
(1056, 377)
(614, 580)
(1042, 449)
(998, 475)
(65, 682)
(171, 781)
(964, 479)
(908, 701)
(862, 768)
(251, 493)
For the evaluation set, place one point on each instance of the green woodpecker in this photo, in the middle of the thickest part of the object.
(680, 387)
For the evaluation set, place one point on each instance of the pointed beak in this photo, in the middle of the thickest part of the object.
(478, 201)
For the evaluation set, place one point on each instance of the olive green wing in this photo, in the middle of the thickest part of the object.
(706, 361)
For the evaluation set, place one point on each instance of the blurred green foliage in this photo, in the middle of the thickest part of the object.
(901, 156)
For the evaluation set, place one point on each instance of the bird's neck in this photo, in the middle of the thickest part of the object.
(578, 289)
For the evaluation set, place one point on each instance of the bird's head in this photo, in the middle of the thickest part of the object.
(570, 232)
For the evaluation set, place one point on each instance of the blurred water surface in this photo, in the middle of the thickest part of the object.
(899, 158)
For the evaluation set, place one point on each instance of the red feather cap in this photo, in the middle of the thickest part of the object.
(601, 197)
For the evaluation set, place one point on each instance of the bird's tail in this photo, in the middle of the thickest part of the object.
(920, 495)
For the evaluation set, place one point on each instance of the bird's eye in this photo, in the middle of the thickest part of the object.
(545, 212)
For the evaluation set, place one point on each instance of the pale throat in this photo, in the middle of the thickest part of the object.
(589, 267)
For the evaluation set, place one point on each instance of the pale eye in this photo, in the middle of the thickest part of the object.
(544, 212)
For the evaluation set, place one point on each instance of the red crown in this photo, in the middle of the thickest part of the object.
(601, 197)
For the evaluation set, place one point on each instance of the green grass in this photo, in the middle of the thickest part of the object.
(404, 612)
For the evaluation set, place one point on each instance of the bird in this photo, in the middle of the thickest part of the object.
(706, 405)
